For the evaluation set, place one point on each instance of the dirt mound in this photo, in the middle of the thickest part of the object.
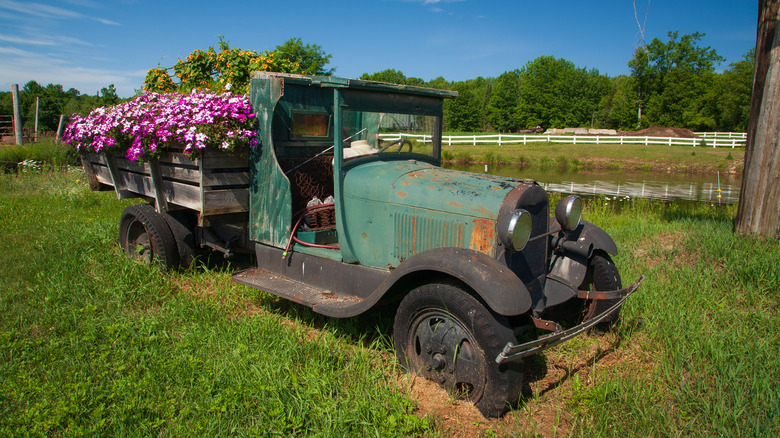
(660, 131)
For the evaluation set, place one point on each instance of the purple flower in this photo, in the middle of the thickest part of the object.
(151, 122)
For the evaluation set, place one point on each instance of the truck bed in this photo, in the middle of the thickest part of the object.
(214, 183)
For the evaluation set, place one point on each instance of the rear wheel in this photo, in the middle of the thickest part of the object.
(443, 333)
(144, 235)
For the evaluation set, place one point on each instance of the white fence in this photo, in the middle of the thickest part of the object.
(719, 140)
(737, 135)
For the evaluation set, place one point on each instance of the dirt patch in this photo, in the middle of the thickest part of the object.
(660, 131)
(552, 382)
(666, 247)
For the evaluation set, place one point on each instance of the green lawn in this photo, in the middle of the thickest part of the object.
(639, 157)
(95, 344)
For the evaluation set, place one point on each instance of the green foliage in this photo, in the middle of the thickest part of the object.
(555, 93)
(310, 58)
(617, 108)
(672, 79)
(463, 113)
(732, 94)
(503, 102)
(54, 101)
(48, 154)
(393, 76)
(672, 83)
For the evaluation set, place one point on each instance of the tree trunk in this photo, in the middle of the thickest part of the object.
(759, 200)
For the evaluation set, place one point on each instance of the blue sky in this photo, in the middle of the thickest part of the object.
(88, 44)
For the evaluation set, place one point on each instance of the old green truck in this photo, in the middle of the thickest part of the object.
(346, 208)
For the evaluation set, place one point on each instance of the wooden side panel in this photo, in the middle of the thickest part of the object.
(222, 186)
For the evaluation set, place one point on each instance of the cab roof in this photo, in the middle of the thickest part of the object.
(355, 84)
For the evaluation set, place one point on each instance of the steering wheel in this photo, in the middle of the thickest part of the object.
(400, 142)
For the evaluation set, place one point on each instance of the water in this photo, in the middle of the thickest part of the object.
(620, 184)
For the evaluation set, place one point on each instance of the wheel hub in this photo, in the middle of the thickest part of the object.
(444, 352)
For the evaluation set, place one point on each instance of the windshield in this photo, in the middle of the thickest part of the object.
(370, 133)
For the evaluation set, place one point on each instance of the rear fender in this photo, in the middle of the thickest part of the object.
(496, 284)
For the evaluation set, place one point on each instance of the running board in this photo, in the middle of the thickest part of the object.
(320, 300)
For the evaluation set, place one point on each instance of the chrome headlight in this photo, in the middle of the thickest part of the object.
(568, 212)
(515, 229)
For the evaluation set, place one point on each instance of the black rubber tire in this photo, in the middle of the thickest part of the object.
(441, 320)
(144, 235)
(602, 275)
(182, 226)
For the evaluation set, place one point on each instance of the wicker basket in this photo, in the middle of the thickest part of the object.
(321, 217)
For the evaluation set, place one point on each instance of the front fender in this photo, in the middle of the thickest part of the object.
(496, 284)
(595, 235)
(567, 270)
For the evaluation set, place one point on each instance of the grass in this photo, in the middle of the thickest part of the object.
(92, 343)
(628, 157)
(56, 155)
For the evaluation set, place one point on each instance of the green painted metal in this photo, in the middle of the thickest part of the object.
(365, 200)
(269, 189)
(396, 209)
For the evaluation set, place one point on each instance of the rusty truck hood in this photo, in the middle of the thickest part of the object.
(418, 184)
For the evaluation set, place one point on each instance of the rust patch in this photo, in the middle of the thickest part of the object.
(405, 183)
(456, 204)
(401, 194)
(483, 237)
(482, 211)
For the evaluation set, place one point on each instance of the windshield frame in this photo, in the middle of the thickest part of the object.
(379, 102)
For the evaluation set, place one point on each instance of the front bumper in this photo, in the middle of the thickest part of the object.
(513, 352)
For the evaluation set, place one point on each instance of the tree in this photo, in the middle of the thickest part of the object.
(617, 109)
(310, 58)
(51, 103)
(555, 93)
(733, 94)
(108, 96)
(389, 75)
(503, 102)
(759, 199)
(463, 114)
(670, 78)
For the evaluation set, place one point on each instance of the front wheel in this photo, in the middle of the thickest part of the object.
(602, 275)
(443, 333)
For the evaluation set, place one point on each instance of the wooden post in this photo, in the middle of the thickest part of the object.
(60, 127)
(35, 137)
(759, 199)
(17, 115)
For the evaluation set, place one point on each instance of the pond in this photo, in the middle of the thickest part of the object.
(621, 184)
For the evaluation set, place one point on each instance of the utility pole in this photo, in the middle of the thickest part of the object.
(17, 115)
(759, 199)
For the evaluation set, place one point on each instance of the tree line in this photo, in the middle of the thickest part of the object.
(671, 83)
(54, 100)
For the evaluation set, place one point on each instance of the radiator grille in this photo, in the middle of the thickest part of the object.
(414, 234)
